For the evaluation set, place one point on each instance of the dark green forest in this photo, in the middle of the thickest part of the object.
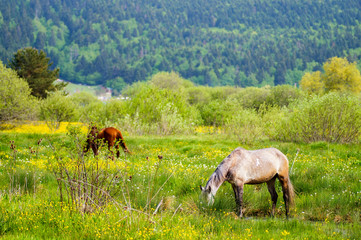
(213, 42)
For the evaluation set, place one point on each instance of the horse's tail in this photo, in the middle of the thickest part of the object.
(291, 192)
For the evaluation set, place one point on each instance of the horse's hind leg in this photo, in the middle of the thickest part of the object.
(274, 195)
(286, 193)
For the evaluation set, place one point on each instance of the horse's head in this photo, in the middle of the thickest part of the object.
(93, 131)
(91, 140)
(206, 195)
(126, 150)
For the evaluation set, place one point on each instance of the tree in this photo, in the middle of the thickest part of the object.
(170, 80)
(339, 75)
(312, 82)
(40, 40)
(33, 66)
(57, 108)
(16, 102)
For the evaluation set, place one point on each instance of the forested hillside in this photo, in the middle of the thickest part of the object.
(213, 42)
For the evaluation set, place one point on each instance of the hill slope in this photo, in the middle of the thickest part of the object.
(214, 42)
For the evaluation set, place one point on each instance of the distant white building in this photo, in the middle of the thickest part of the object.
(106, 95)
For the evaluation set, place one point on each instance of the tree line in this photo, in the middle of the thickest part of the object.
(214, 43)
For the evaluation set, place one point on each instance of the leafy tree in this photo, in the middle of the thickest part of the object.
(16, 101)
(312, 82)
(33, 66)
(339, 75)
(172, 81)
(57, 108)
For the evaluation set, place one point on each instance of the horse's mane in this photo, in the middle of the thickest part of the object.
(220, 174)
(93, 131)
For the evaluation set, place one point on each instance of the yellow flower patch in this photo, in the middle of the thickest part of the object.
(41, 127)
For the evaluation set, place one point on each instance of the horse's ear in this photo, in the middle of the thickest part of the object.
(209, 189)
(201, 188)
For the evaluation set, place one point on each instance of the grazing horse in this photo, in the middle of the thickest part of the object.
(109, 135)
(252, 167)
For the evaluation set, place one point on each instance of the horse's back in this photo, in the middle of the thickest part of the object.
(264, 153)
(109, 134)
(272, 155)
(110, 131)
(255, 166)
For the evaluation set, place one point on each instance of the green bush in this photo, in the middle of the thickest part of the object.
(253, 97)
(199, 95)
(333, 117)
(273, 118)
(154, 110)
(57, 108)
(283, 95)
(114, 109)
(246, 125)
(88, 107)
(218, 112)
(16, 101)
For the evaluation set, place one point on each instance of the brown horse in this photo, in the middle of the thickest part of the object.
(110, 135)
(252, 167)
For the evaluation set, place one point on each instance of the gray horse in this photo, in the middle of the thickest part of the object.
(252, 167)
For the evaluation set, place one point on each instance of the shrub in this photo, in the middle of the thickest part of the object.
(218, 112)
(16, 102)
(158, 111)
(171, 122)
(199, 95)
(333, 117)
(283, 95)
(273, 118)
(253, 97)
(246, 125)
(92, 112)
(114, 109)
(88, 106)
(57, 108)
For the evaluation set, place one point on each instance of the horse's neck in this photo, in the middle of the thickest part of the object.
(99, 135)
(218, 178)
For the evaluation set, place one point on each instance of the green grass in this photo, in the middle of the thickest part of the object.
(326, 178)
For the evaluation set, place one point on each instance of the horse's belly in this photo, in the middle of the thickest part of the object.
(259, 179)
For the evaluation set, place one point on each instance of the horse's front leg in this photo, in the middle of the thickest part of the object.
(238, 193)
(94, 148)
(117, 149)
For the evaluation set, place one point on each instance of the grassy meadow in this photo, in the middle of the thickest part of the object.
(154, 193)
